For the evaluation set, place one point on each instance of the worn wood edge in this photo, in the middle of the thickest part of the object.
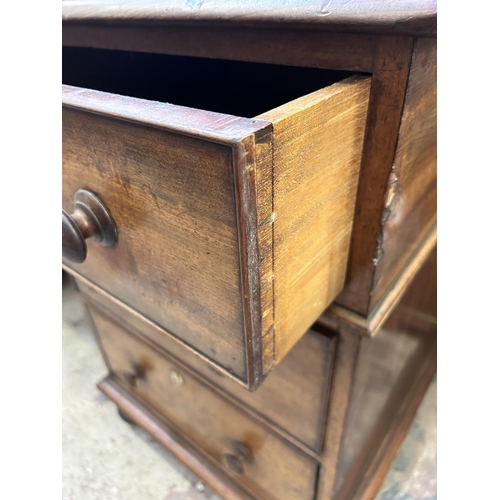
(190, 122)
(320, 49)
(327, 390)
(395, 433)
(244, 165)
(342, 376)
(184, 365)
(173, 442)
(406, 154)
(151, 324)
(337, 317)
(312, 99)
(244, 173)
(391, 68)
(264, 183)
(403, 17)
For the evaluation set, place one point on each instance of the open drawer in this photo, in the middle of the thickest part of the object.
(233, 232)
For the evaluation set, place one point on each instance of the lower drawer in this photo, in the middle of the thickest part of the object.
(293, 397)
(257, 458)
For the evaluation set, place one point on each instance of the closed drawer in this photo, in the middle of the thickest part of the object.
(268, 466)
(293, 397)
(233, 233)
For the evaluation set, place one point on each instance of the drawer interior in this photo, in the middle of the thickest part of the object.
(231, 87)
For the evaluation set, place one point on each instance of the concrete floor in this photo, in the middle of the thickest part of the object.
(105, 458)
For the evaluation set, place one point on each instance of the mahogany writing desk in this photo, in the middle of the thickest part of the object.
(249, 213)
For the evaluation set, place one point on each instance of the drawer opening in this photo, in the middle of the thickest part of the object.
(230, 87)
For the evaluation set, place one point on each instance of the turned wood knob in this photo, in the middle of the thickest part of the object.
(131, 377)
(234, 462)
(90, 219)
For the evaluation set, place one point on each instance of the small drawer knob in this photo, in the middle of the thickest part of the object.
(90, 219)
(131, 376)
(234, 462)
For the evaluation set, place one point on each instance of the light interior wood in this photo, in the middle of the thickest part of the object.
(317, 154)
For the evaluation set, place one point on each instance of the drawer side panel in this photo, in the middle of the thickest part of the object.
(317, 152)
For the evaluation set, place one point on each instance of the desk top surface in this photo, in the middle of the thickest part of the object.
(396, 17)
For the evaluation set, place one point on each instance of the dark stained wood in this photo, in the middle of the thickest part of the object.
(347, 347)
(331, 415)
(90, 219)
(390, 431)
(411, 199)
(390, 74)
(174, 442)
(211, 422)
(310, 49)
(337, 317)
(393, 371)
(186, 279)
(144, 327)
(294, 395)
(303, 375)
(395, 18)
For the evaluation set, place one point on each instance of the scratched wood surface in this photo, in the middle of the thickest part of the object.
(276, 471)
(366, 50)
(173, 199)
(389, 80)
(411, 198)
(339, 318)
(303, 375)
(396, 17)
(392, 373)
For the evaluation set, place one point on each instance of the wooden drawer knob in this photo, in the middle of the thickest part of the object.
(234, 462)
(90, 219)
(137, 372)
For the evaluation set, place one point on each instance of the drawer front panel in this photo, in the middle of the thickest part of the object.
(172, 197)
(294, 394)
(275, 469)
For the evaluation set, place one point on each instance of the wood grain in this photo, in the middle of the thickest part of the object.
(174, 442)
(393, 371)
(231, 210)
(396, 17)
(277, 471)
(390, 75)
(337, 317)
(340, 51)
(347, 347)
(411, 198)
(143, 327)
(316, 163)
(294, 396)
(302, 376)
(177, 260)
